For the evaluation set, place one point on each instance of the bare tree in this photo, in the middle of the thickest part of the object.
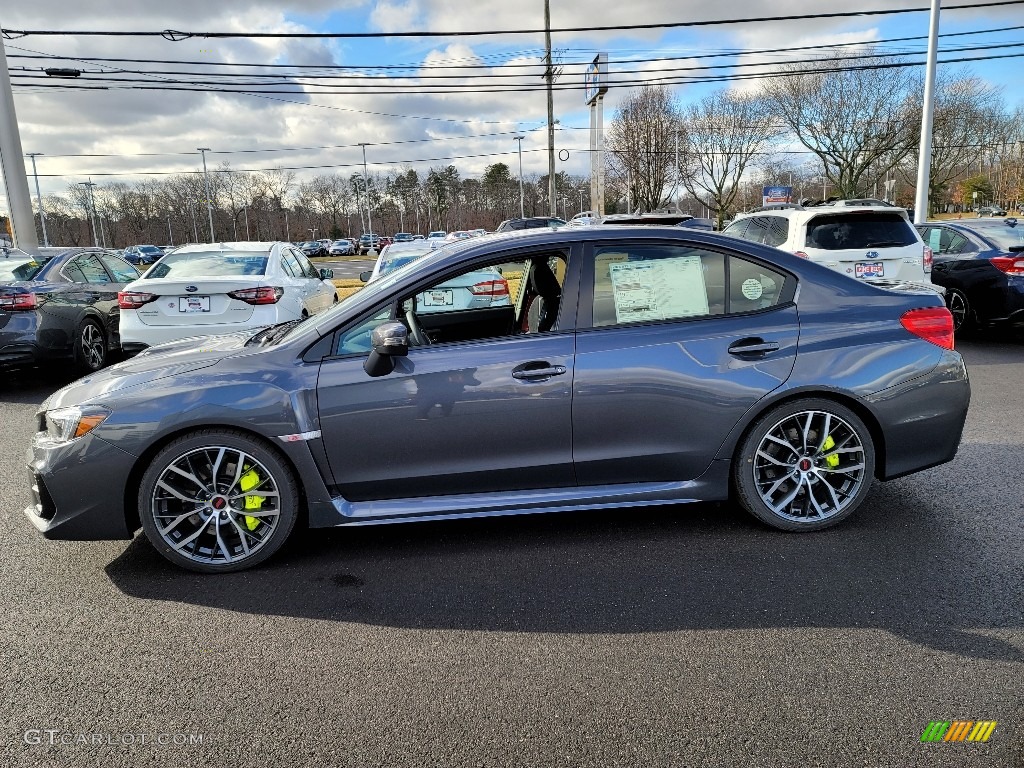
(721, 135)
(641, 140)
(854, 120)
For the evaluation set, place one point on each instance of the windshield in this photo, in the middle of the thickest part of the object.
(149, 249)
(18, 269)
(184, 266)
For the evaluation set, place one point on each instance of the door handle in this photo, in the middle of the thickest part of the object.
(527, 372)
(755, 347)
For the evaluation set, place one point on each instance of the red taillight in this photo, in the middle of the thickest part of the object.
(134, 299)
(934, 324)
(928, 259)
(265, 295)
(490, 288)
(18, 302)
(1011, 265)
(802, 255)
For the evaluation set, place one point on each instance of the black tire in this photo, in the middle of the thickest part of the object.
(812, 483)
(226, 531)
(959, 306)
(90, 346)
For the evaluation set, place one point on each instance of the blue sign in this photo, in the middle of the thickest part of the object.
(771, 195)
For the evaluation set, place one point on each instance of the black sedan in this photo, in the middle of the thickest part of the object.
(143, 255)
(60, 305)
(980, 262)
(594, 367)
(314, 248)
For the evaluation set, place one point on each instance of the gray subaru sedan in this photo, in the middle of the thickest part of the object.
(630, 366)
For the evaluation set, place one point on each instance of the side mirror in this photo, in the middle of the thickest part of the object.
(365, 276)
(326, 274)
(389, 340)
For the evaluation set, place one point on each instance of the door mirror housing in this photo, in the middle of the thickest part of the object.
(365, 276)
(326, 274)
(389, 340)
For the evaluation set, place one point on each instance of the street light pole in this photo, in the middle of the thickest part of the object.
(924, 159)
(209, 202)
(39, 197)
(366, 190)
(246, 210)
(522, 209)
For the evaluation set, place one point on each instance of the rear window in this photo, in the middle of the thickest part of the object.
(1004, 236)
(18, 269)
(180, 266)
(844, 231)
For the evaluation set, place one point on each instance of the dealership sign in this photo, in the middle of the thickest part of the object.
(771, 195)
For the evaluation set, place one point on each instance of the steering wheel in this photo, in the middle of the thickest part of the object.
(419, 336)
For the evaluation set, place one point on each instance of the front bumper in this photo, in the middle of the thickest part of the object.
(78, 489)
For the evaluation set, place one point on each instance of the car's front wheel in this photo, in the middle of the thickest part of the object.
(216, 501)
(805, 465)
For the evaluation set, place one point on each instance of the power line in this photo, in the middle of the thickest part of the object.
(375, 82)
(419, 90)
(446, 64)
(179, 35)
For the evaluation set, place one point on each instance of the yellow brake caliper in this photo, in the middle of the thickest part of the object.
(247, 482)
(831, 459)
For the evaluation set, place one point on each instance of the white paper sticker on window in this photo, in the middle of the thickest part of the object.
(658, 290)
(752, 289)
(935, 239)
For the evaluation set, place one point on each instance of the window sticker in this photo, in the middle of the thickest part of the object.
(658, 290)
(752, 289)
(935, 239)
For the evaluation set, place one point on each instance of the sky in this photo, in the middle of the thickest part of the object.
(127, 133)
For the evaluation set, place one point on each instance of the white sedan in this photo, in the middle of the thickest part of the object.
(473, 290)
(209, 289)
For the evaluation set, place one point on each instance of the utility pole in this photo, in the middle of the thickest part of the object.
(209, 201)
(92, 209)
(924, 159)
(522, 209)
(549, 76)
(12, 163)
(366, 190)
(39, 198)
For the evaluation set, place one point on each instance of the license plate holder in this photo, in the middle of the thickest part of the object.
(193, 304)
(866, 269)
(439, 298)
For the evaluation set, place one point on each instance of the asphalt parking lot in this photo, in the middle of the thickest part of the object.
(687, 636)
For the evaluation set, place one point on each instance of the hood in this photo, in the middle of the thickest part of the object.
(171, 359)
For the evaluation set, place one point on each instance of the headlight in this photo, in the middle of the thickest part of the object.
(66, 424)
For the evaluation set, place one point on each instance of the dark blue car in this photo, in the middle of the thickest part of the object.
(143, 255)
(629, 366)
(61, 305)
(980, 263)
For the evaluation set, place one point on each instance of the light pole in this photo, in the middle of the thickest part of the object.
(92, 210)
(366, 189)
(39, 197)
(522, 210)
(246, 211)
(170, 233)
(206, 178)
(581, 201)
(287, 229)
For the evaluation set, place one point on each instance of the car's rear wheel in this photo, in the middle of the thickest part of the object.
(90, 347)
(960, 309)
(805, 465)
(216, 501)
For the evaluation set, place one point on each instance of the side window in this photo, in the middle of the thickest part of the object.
(776, 230)
(92, 270)
(752, 286)
(356, 340)
(958, 244)
(307, 268)
(737, 228)
(122, 271)
(757, 230)
(73, 272)
(645, 283)
(290, 265)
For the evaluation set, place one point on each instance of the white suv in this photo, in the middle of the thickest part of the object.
(865, 239)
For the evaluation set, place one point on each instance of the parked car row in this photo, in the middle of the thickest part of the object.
(84, 304)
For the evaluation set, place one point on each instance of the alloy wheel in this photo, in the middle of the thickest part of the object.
(809, 466)
(93, 346)
(215, 505)
(957, 304)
